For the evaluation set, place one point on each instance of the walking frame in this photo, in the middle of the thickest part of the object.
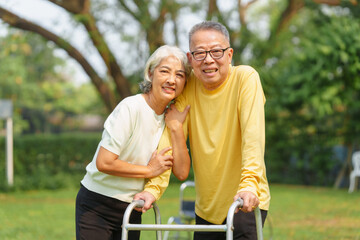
(158, 227)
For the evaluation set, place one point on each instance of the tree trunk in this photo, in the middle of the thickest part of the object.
(81, 9)
(104, 91)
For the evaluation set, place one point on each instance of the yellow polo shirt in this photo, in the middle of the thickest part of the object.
(226, 129)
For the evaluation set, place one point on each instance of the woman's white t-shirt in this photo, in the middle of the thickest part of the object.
(132, 131)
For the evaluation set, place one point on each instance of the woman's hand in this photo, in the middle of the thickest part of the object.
(159, 162)
(174, 119)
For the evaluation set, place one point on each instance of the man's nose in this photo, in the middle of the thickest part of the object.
(208, 58)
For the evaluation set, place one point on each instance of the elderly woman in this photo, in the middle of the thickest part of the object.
(126, 154)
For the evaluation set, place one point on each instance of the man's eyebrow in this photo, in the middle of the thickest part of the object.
(202, 49)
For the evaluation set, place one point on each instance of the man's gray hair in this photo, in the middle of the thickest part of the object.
(209, 25)
(154, 61)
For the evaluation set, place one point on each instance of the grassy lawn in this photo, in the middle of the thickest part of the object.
(296, 213)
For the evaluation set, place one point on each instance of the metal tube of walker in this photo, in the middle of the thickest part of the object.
(229, 227)
(258, 220)
(126, 218)
(157, 220)
(230, 220)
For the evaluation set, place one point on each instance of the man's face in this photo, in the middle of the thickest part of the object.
(211, 72)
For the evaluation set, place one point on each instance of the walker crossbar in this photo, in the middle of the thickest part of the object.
(158, 227)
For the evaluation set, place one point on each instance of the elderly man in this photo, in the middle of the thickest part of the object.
(226, 127)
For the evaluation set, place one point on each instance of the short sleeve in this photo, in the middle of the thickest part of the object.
(118, 129)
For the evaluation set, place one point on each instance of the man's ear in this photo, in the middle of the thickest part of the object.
(230, 53)
(189, 57)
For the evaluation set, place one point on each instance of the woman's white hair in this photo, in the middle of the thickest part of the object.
(154, 61)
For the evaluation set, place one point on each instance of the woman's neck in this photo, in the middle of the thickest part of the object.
(156, 105)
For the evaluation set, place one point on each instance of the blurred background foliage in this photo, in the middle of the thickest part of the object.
(40, 87)
(306, 51)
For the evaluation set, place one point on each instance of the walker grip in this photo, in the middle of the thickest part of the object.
(139, 203)
(241, 202)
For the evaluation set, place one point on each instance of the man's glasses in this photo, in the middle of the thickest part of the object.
(214, 53)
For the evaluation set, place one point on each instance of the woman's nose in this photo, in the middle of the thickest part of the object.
(171, 79)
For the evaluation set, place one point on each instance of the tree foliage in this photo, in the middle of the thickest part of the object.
(36, 81)
(307, 53)
(149, 19)
(314, 99)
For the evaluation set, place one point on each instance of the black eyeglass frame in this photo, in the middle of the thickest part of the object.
(206, 53)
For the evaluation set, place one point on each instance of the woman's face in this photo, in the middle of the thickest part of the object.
(168, 79)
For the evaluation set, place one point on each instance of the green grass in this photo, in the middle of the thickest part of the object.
(296, 213)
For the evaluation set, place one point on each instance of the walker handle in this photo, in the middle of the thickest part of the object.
(241, 202)
(139, 203)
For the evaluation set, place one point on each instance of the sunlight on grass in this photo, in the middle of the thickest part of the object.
(296, 213)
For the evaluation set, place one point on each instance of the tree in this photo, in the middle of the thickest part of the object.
(151, 23)
(315, 95)
(42, 96)
(280, 50)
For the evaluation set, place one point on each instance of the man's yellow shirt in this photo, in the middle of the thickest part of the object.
(226, 129)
